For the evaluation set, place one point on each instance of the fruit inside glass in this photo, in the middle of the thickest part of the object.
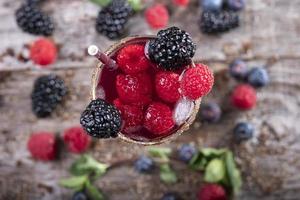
(104, 86)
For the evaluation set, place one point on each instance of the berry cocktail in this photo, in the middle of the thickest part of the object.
(151, 93)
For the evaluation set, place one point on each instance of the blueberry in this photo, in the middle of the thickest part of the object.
(210, 112)
(238, 69)
(212, 5)
(258, 77)
(171, 196)
(80, 196)
(235, 5)
(144, 164)
(243, 131)
(186, 152)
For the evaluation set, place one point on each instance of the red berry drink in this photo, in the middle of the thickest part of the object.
(156, 94)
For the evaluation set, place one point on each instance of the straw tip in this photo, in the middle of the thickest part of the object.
(93, 50)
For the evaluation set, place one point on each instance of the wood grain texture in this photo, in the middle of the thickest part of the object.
(270, 162)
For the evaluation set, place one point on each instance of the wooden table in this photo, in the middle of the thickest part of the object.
(269, 35)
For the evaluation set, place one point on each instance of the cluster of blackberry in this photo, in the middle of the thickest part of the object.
(220, 15)
(31, 19)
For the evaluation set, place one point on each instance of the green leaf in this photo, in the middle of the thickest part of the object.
(93, 192)
(101, 2)
(75, 183)
(167, 175)
(212, 153)
(86, 165)
(136, 5)
(198, 162)
(215, 171)
(233, 173)
(160, 152)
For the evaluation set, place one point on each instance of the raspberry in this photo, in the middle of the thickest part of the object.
(134, 89)
(76, 139)
(172, 49)
(158, 118)
(32, 20)
(131, 59)
(48, 92)
(43, 52)
(244, 97)
(182, 3)
(101, 119)
(42, 146)
(212, 192)
(197, 82)
(167, 86)
(157, 16)
(132, 116)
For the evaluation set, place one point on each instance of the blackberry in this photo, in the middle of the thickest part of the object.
(112, 19)
(32, 20)
(48, 92)
(213, 22)
(144, 164)
(101, 119)
(172, 49)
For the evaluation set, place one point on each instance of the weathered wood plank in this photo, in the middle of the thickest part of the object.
(270, 162)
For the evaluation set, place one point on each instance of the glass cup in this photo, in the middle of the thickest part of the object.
(103, 80)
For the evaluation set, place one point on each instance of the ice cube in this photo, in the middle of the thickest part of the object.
(183, 110)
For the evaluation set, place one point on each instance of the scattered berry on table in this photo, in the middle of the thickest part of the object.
(48, 92)
(167, 86)
(238, 69)
(197, 81)
(258, 77)
(80, 196)
(32, 20)
(112, 19)
(210, 112)
(172, 49)
(135, 88)
(235, 5)
(131, 59)
(171, 196)
(76, 139)
(212, 192)
(212, 22)
(157, 16)
(243, 97)
(43, 52)
(211, 5)
(132, 116)
(182, 3)
(101, 119)
(144, 164)
(186, 152)
(243, 131)
(43, 146)
(158, 118)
